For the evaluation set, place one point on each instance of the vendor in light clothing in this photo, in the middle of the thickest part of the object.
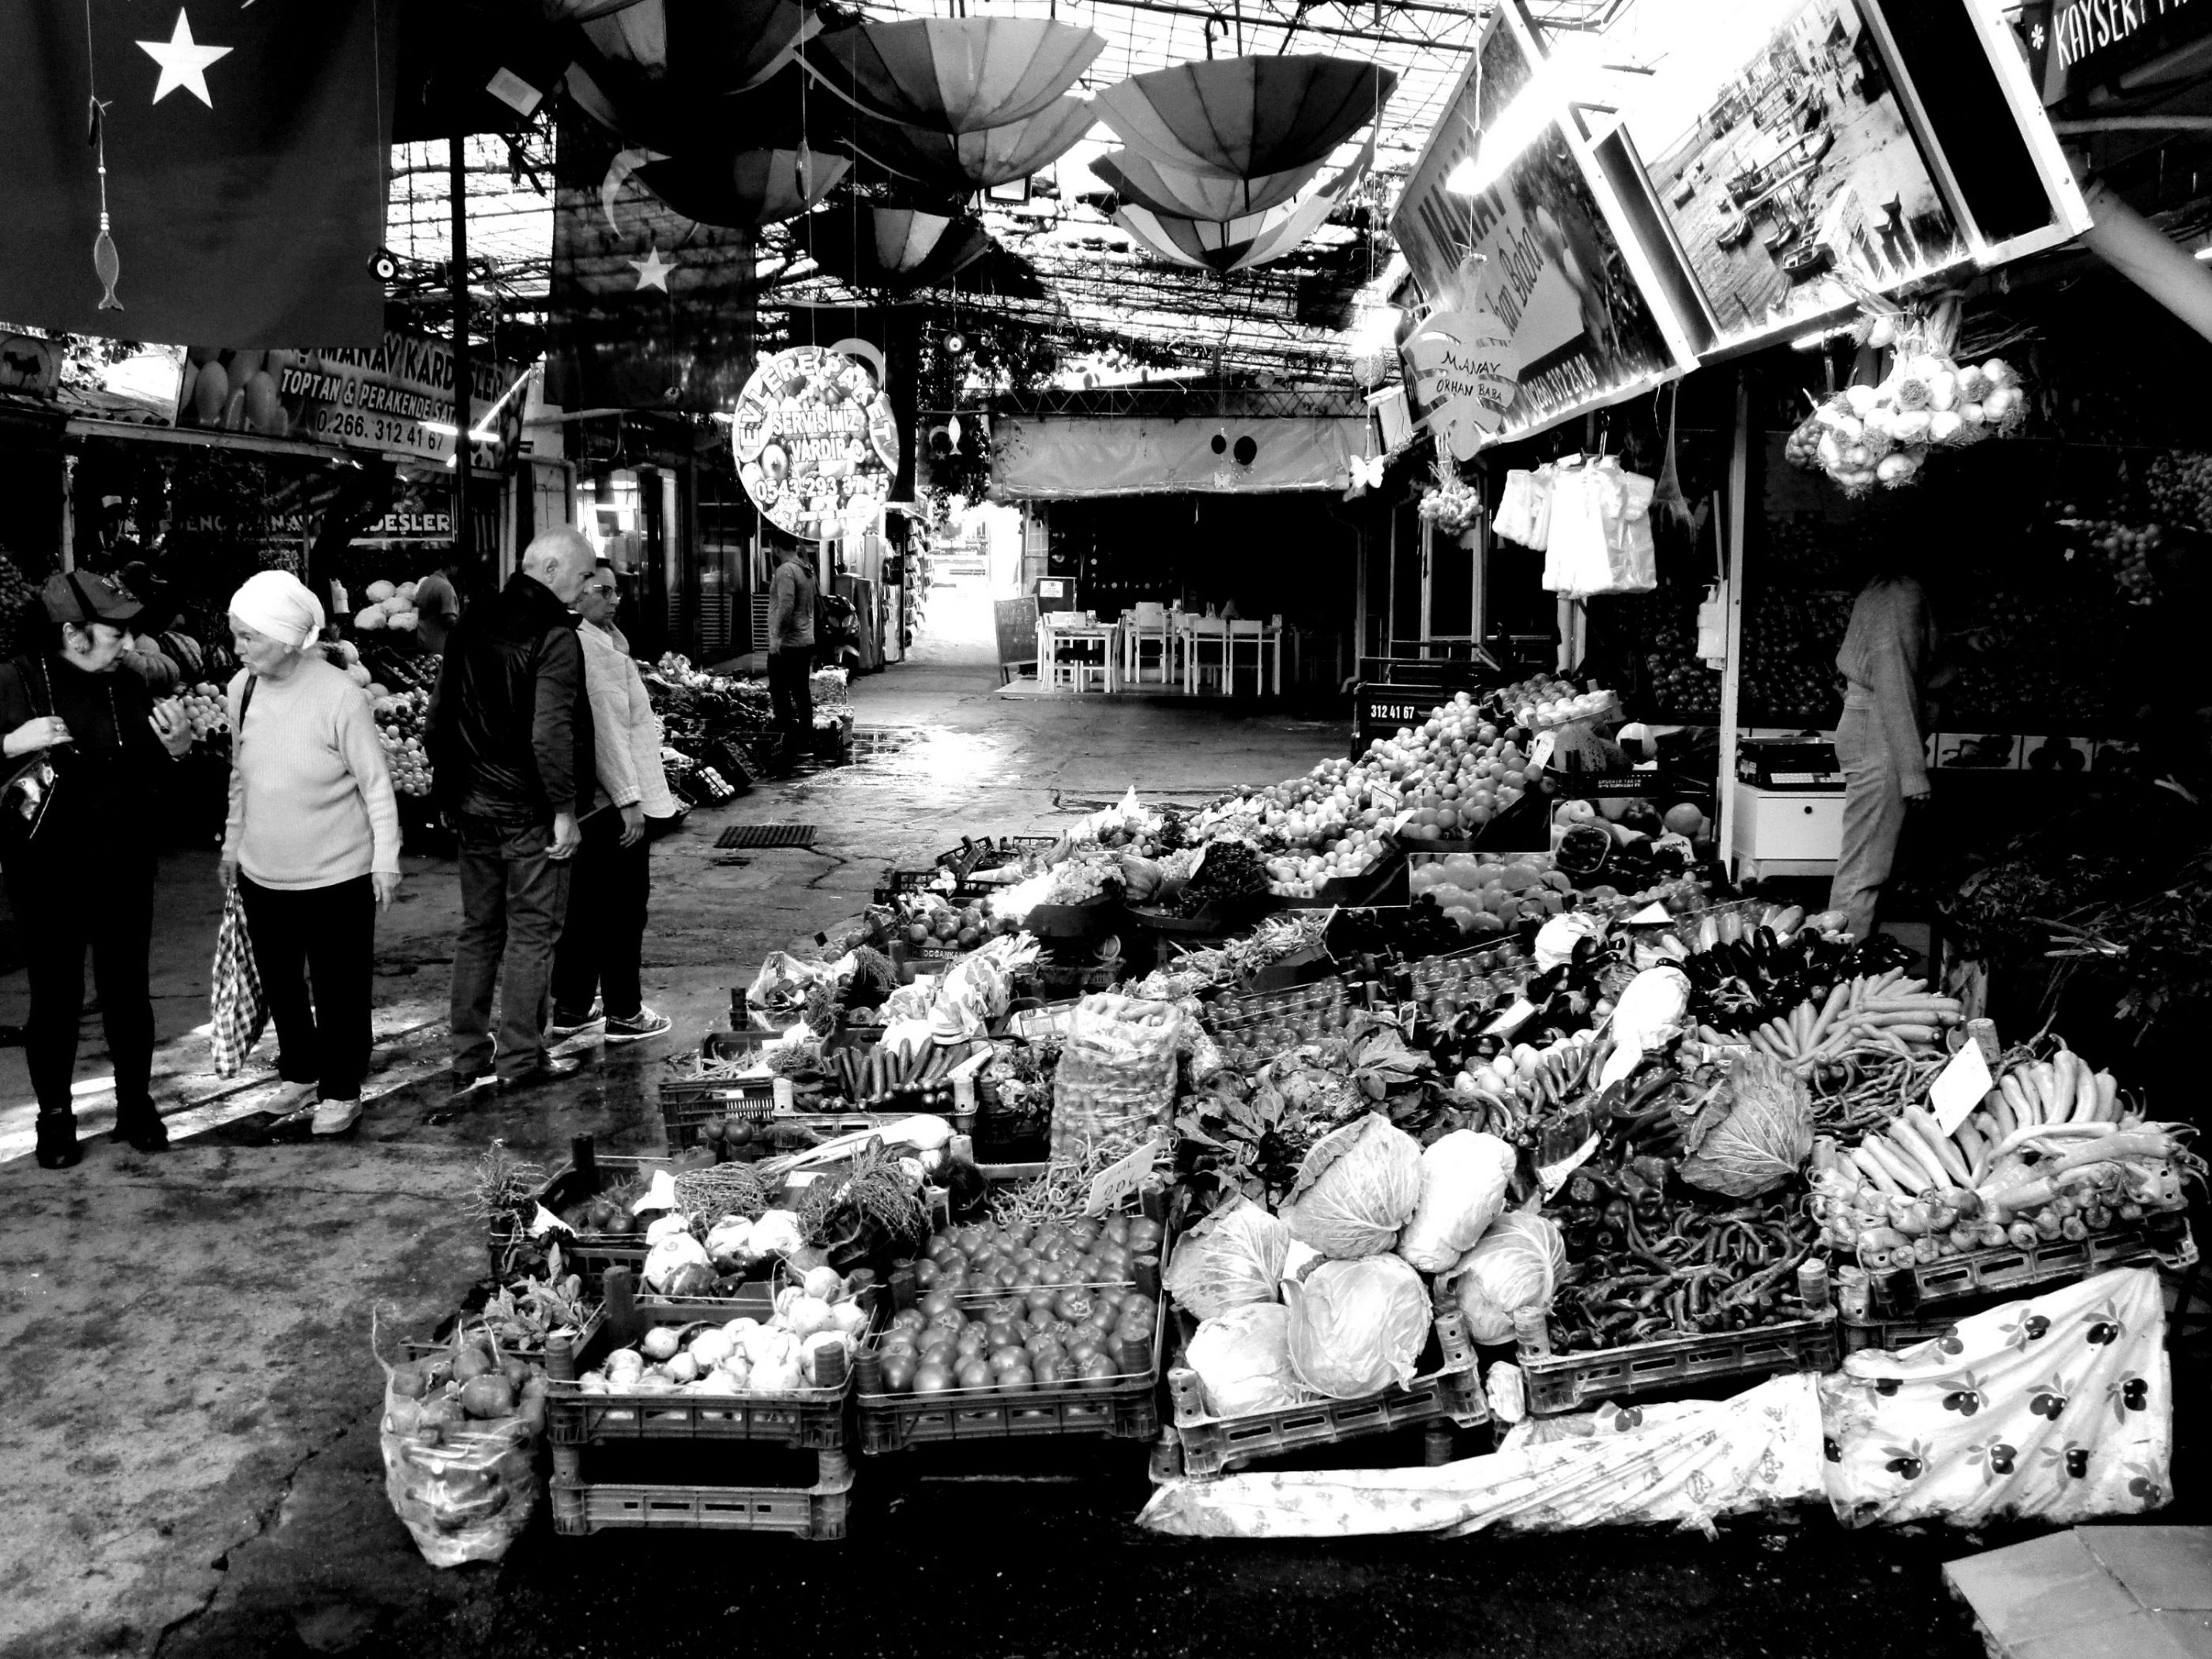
(312, 842)
(1881, 742)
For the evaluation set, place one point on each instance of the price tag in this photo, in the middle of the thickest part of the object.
(1512, 1019)
(1651, 915)
(1959, 1088)
(1540, 751)
(1383, 797)
(1120, 1179)
(661, 1195)
(546, 1222)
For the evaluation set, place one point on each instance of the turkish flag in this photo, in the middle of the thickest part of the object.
(247, 146)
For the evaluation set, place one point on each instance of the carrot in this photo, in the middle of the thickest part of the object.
(1829, 1011)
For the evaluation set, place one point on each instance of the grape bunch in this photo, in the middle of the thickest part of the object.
(2179, 485)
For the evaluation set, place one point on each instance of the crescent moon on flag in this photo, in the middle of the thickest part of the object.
(618, 172)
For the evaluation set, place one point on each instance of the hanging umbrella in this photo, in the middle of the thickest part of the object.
(892, 247)
(752, 188)
(961, 164)
(955, 75)
(1225, 245)
(1244, 118)
(707, 48)
(1197, 195)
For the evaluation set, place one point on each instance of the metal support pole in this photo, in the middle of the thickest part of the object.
(1732, 674)
(458, 286)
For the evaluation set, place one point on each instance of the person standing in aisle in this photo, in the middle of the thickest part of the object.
(604, 937)
(81, 877)
(511, 757)
(313, 843)
(437, 608)
(1880, 743)
(791, 604)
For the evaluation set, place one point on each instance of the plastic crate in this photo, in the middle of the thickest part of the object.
(814, 1418)
(895, 882)
(818, 1512)
(1117, 1408)
(2164, 1238)
(1447, 1389)
(1892, 1335)
(587, 1254)
(1566, 1382)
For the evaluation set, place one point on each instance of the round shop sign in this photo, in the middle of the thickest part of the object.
(818, 445)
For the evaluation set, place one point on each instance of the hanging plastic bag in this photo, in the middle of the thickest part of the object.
(1524, 507)
(1712, 629)
(238, 1009)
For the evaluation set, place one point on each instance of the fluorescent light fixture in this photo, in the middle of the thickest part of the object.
(2205, 252)
(1515, 127)
(443, 428)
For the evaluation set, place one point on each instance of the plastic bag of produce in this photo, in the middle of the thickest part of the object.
(1356, 1327)
(1753, 1135)
(1515, 1265)
(1649, 1012)
(1358, 1187)
(1243, 1358)
(1463, 1176)
(465, 1485)
(783, 982)
(1116, 1077)
(1232, 1257)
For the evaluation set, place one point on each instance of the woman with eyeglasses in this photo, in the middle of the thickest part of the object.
(603, 938)
(77, 850)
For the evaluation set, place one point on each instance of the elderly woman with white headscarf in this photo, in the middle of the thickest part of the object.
(312, 842)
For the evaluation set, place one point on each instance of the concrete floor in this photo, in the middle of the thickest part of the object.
(191, 1453)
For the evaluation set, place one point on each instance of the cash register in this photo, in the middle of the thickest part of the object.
(1789, 816)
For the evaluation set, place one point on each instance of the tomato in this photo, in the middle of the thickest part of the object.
(973, 1338)
(900, 1341)
(1136, 1304)
(1044, 1345)
(1048, 1371)
(1050, 1273)
(1047, 1239)
(899, 1372)
(969, 1240)
(1017, 1377)
(1001, 1359)
(931, 1378)
(1117, 1229)
(1128, 1335)
(1095, 1371)
(953, 1280)
(1102, 1316)
(939, 1302)
(1008, 1309)
(1041, 1298)
(998, 1334)
(1088, 1270)
(974, 1373)
(1073, 1305)
(908, 1319)
(1084, 1347)
(943, 1250)
(1011, 1274)
(1083, 1230)
(1144, 1235)
(939, 1351)
(925, 1271)
(1020, 1233)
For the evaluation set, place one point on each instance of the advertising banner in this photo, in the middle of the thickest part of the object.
(1066, 458)
(817, 441)
(395, 398)
(1533, 247)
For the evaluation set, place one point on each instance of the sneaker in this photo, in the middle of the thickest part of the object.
(565, 1026)
(644, 1024)
(335, 1117)
(293, 1100)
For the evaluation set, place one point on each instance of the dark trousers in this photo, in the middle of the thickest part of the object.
(97, 899)
(513, 898)
(316, 948)
(604, 934)
(791, 694)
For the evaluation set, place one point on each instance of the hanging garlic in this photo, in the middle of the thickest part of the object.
(1943, 389)
(1945, 426)
(1864, 399)
(1884, 332)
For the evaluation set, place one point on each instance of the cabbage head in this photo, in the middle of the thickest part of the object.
(1358, 1185)
(1358, 1326)
(1232, 1257)
(1753, 1133)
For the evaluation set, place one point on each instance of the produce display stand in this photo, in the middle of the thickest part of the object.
(2162, 1239)
(1445, 1394)
(588, 1173)
(1124, 1407)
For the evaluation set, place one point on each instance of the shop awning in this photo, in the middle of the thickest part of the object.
(1063, 458)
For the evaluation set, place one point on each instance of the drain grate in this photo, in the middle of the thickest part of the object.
(871, 741)
(766, 835)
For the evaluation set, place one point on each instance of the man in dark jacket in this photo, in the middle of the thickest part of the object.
(510, 745)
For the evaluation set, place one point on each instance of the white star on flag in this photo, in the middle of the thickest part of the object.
(652, 270)
(184, 62)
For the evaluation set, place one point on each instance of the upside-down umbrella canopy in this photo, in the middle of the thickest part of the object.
(1197, 195)
(752, 188)
(961, 164)
(1244, 118)
(1225, 245)
(955, 75)
(892, 247)
(707, 48)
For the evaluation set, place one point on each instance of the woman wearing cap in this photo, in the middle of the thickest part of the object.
(602, 937)
(312, 842)
(81, 877)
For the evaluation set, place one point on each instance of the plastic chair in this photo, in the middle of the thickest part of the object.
(1143, 624)
(1206, 635)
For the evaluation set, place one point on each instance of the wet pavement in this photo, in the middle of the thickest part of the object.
(191, 1451)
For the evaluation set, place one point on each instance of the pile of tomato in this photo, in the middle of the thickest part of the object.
(1022, 1307)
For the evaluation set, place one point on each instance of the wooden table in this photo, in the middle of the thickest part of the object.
(1054, 638)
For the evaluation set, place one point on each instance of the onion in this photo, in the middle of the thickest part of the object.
(1862, 398)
